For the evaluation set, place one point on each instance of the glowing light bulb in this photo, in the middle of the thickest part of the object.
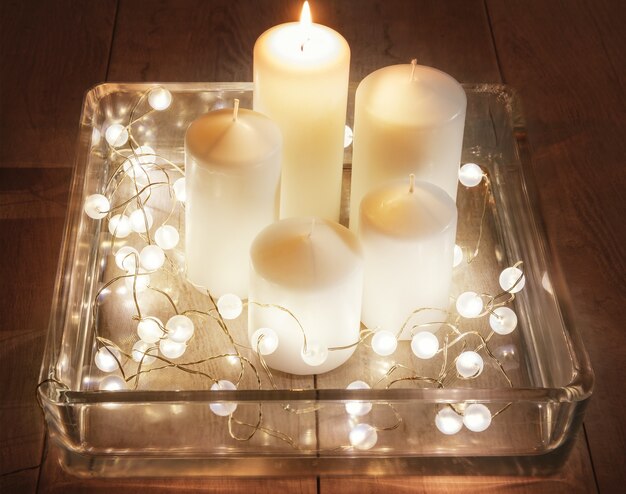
(112, 383)
(424, 345)
(152, 257)
(223, 409)
(179, 328)
(171, 349)
(146, 155)
(470, 174)
(363, 436)
(107, 359)
(265, 340)
(138, 220)
(135, 171)
(138, 282)
(119, 226)
(116, 135)
(316, 353)
(179, 190)
(458, 256)
(509, 280)
(97, 206)
(469, 304)
(469, 364)
(159, 98)
(127, 258)
(150, 330)
(477, 417)
(448, 421)
(358, 408)
(384, 343)
(348, 136)
(503, 321)
(144, 352)
(166, 237)
(229, 306)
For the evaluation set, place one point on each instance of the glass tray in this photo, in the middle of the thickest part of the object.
(165, 426)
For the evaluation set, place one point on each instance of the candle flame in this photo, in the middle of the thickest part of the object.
(305, 24)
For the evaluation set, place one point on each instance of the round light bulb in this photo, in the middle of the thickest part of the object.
(448, 421)
(135, 171)
(108, 359)
(146, 155)
(152, 257)
(166, 237)
(159, 98)
(144, 352)
(424, 345)
(112, 383)
(97, 206)
(509, 280)
(363, 436)
(138, 220)
(469, 304)
(119, 226)
(265, 340)
(348, 136)
(384, 343)
(470, 174)
(469, 364)
(503, 320)
(138, 282)
(358, 408)
(127, 258)
(229, 306)
(149, 330)
(477, 417)
(116, 135)
(458, 256)
(179, 328)
(179, 190)
(221, 408)
(316, 353)
(171, 349)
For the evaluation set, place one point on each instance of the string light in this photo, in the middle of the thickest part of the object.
(171, 349)
(458, 256)
(358, 408)
(151, 257)
(97, 206)
(265, 339)
(348, 136)
(503, 320)
(512, 279)
(384, 342)
(116, 135)
(119, 226)
(363, 436)
(126, 258)
(166, 237)
(469, 304)
(221, 408)
(424, 345)
(229, 306)
(477, 417)
(159, 99)
(448, 421)
(107, 358)
(139, 282)
(144, 352)
(470, 174)
(469, 364)
(149, 330)
(138, 220)
(315, 353)
(179, 328)
(112, 383)
(179, 190)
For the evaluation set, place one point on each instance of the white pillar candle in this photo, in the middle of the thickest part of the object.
(407, 231)
(407, 119)
(301, 82)
(314, 269)
(232, 165)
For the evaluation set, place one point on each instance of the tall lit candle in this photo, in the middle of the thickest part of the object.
(408, 119)
(301, 82)
(312, 268)
(232, 163)
(407, 231)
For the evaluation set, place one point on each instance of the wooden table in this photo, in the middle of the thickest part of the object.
(566, 58)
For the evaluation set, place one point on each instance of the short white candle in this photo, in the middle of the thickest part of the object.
(407, 231)
(301, 82)
(232, 162)
(314, 269)
(407, 119)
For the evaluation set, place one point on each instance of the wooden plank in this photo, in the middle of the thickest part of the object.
(567, 59)
(52, 52)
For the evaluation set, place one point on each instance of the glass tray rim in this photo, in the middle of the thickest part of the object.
(52, 391)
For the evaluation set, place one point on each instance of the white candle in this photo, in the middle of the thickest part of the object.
(407, 119)
(407, 232)
(232, 164)
(301, 82)
(314, 269)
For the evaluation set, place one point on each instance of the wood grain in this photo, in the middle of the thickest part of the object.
(568, 60)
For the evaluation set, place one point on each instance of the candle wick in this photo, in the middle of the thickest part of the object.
(411, 183)
(413, 65)
(235, 110)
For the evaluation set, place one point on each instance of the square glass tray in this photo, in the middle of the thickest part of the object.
(163, 425)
